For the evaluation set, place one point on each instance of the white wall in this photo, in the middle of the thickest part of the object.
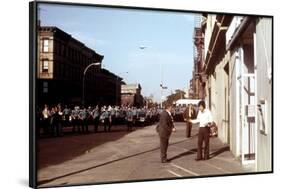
(221, 98)
(263, 61)
(211, 18)
(233, 121)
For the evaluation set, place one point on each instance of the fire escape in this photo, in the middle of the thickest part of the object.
(198, 80)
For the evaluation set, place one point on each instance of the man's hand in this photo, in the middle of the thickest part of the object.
(209, 124)
(174, 129)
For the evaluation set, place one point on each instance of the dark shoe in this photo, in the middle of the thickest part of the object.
(165, 161)
(198, 159)
(206, 158)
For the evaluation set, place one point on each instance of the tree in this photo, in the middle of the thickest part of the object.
(149, 101)
(172, 98)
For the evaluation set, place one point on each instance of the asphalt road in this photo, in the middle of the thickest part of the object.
(123, 156)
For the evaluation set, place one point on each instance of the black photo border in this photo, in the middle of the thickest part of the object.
(33, 146)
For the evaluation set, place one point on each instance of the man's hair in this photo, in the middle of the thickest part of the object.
(168, 105)
(202, 103)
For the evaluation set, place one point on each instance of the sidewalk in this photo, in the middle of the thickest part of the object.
(121, 156)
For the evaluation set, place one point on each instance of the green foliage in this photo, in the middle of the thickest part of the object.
(172, 98)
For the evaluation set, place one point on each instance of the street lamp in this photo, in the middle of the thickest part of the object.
(83, 84)
(162, 87)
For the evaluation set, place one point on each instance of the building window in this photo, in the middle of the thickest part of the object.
(45, 66)
(45, 87)
(45, 45)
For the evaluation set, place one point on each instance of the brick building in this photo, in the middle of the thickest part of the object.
(238, 90)
(61, 63)
(131, 95)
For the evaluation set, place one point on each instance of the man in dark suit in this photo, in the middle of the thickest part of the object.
(164, 129)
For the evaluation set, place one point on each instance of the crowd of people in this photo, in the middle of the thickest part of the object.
(53, 119)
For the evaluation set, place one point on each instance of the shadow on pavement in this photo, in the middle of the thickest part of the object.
(219, 151)
(194, 150)
(189, 152)
(103, 164)
(56, 150)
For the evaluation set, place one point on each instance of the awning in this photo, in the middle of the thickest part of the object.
(239, 31)
(217, 42)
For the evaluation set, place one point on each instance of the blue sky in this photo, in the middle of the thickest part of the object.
(118, 33)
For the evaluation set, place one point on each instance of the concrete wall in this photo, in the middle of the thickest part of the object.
(211, 18)
(218, 91)
(217, 87)
(233, 94)
(221, 98)
(264, 87)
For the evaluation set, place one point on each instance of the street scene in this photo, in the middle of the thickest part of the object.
(131, 95)
(121, 156)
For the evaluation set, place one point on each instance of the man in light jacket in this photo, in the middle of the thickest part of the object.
(205, 120)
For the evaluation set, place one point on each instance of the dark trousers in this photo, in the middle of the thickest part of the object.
(164, 143)
(76, 124)
(46, 125)
(188, 129)
(129, 125)
(109, 125)
(85, 127)
(96, 124)
(203, 136)
(55, 128)
(106, 125)
(66, 121)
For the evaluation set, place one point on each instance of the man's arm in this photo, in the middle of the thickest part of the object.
(173, 125)
(197, 119)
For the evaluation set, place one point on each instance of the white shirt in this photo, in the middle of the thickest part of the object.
(169, 112)
(204, 117)
(170, 115)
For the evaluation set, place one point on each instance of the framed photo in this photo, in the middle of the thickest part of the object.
(127, 94)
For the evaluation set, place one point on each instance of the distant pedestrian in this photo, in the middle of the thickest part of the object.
(129, 119)
(54, 121)
(189, 114)
(96, 118)
(46, 119)
(75, 119)
(135, 114)
(66, 116)
(105, 119)
(110, 118)
(83, 116)
(60, 120)
(164, 129)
